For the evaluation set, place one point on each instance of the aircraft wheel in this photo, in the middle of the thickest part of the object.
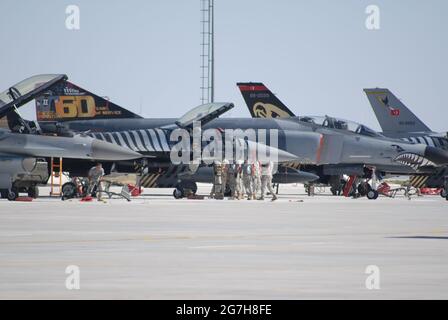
(68, 190)
(334, 191)
(227, 192)
(364, 188)
(443, 193)
(13, 194)
(178, 193)
(33, 192)
(3, 194)
(191, 185)
(372, 195)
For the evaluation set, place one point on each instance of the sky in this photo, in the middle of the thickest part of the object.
(317, 56)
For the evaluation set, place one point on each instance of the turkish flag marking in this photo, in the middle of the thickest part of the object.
(394, 112)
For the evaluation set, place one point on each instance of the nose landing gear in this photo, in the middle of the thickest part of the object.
(356, 188)
(372, 195)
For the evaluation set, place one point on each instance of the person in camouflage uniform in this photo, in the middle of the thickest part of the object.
(231, 179)
(239, 189)
(266, 180)
(224, 175)
(247, 179)
(217, 190)
(256, 179)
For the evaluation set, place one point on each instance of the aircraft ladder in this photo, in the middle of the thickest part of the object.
(56, 174)
(349, 185)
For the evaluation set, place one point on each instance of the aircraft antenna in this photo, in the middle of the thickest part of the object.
(207, 51)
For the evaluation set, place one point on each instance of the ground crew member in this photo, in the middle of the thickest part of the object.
(266, 180)
(225, 169)
(243, 189)
(95, 175)
(256, 178)
(231, 179)
(217, 191)
(247, 179)
(239, 180)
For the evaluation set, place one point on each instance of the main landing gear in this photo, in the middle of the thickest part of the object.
(356, 189)
(13, 193)
(184, 189)
(443, 193)
(337, 184)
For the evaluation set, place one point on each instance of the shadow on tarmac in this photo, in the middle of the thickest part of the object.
(420, 237)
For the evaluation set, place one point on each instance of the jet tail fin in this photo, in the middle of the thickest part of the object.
(262, 103)
(392, 114)
(67, 101)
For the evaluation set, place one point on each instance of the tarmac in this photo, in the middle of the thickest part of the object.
(156, 247)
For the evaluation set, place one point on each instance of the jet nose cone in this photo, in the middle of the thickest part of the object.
(102, 150)
(284, 156)
(436, 155)
(265, 153)
(308, 176)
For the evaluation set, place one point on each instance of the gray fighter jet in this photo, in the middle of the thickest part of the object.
(262, 103)
(23, 158)
(24, 151)
(331, 145)
(65, 103)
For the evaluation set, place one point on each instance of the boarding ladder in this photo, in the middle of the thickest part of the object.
(56, 173)
(348, 187)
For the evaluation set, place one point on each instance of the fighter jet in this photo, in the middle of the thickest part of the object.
(398, 121)
(66, 108)
(262, 103)
(23, 151)
(23, 163)
(158, 145)
(332, 145)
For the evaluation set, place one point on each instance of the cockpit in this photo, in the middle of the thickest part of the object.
(340, 124)
(20, 94)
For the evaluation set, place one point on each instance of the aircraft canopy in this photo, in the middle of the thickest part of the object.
(341, 124)
(26, 90)
(204, 113)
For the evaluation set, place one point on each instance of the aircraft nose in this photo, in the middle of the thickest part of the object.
(102, 150)
(284, 156)
(436, 155)
(308, 176)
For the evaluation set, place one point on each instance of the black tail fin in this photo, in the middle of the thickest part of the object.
(66, 101)
(262, 103)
